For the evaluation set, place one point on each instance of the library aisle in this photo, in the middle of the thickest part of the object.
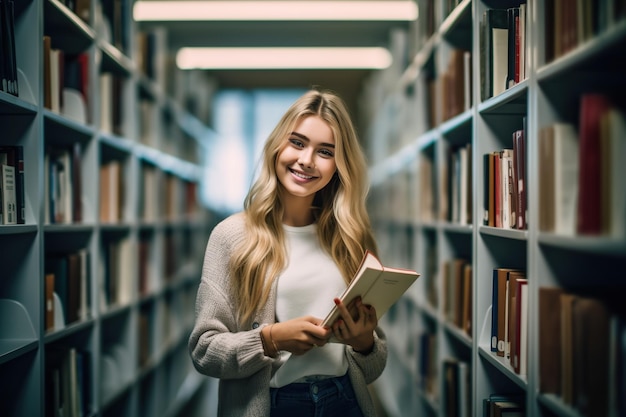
(499, 179)
(102, 231)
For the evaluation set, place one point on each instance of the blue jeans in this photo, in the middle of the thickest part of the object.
(331, 397)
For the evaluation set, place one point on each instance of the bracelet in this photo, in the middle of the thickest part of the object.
(276, 351)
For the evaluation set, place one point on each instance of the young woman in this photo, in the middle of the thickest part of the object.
(272, 273)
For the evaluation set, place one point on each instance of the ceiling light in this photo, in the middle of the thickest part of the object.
(284, 58)
(404, 10)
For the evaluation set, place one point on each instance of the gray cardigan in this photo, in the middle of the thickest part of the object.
(221, 348)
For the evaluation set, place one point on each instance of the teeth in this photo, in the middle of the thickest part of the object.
(297, 174)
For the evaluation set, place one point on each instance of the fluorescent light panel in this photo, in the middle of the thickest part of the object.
(284, 58)
(404, 10)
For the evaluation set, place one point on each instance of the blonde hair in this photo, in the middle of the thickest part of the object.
(343, 225)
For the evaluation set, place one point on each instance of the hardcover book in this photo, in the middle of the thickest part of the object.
(379, 286)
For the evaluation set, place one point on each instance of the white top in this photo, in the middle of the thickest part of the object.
(307, 286)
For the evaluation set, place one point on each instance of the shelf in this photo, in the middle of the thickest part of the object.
(18, 333)
(600, 245)
(11, 105)
(503, 366)
(511, 101)
(114, 61)
(587, 55)
(18, 229)
(458, 25)
(63, 131)
(12, 349)
(66, 29)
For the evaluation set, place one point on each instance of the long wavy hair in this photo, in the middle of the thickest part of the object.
(343, 225)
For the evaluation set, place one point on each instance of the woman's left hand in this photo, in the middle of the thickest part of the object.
(357, 329)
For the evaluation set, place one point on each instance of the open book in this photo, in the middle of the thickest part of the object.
(378, 286)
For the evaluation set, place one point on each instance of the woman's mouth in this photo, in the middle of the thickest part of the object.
(301, 175)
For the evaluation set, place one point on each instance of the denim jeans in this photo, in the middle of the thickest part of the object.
(330, 397)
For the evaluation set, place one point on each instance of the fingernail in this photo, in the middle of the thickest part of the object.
(337, 301)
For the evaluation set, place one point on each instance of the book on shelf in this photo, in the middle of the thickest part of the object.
(550, 340)
(111, 191)
(520, 352)
(9, 73)
(8, 209)
(592, 107)
(613, 149)
(49, 301)
(519, 178)
(500, 278)
(493, 52)
(13, 155)
(378, 285)
(559, 173)
(512, 324)
(503, 403)
(513, 51)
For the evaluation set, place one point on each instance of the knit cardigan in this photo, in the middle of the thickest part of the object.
(221, 348)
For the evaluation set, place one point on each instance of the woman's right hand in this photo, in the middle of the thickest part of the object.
(298, 335)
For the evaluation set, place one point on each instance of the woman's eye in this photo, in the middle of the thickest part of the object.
(297, 143)
(327, 153)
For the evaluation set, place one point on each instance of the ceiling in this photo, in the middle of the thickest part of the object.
(348, 83)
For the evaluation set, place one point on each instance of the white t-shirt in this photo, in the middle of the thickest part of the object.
(308, 286)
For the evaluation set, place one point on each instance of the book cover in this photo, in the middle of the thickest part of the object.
(378, 285)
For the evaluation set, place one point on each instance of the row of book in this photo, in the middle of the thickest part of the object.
(8, 58)
(457, 289)
(456, 186)
(65, 82)
(571, 23)
(67, 289)
(118, 273)
(447, 197)
(456, 85)
(582, 350)
(504, 176)
(503, 40)
(580, 167)
(68, 386)
(12, 193)
(509, 317)
(457, 388)
(63, 183)
(504, 405)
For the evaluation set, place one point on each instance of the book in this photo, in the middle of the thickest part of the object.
(377, 285)
(519, 151)
(14, 156)
(498, 311)
(592, 107)
(550, 340)
(9, 199)
(493, 52)
(521, 338)
(49, 301)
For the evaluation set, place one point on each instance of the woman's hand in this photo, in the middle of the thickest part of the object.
(298, 335)
(356, 329)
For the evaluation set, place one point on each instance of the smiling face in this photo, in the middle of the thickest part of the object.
(306, 163)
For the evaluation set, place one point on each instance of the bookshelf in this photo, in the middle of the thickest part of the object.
(430, 192)
(98, 280)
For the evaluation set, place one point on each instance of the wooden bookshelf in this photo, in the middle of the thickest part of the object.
(120, 349)
(413, 197)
